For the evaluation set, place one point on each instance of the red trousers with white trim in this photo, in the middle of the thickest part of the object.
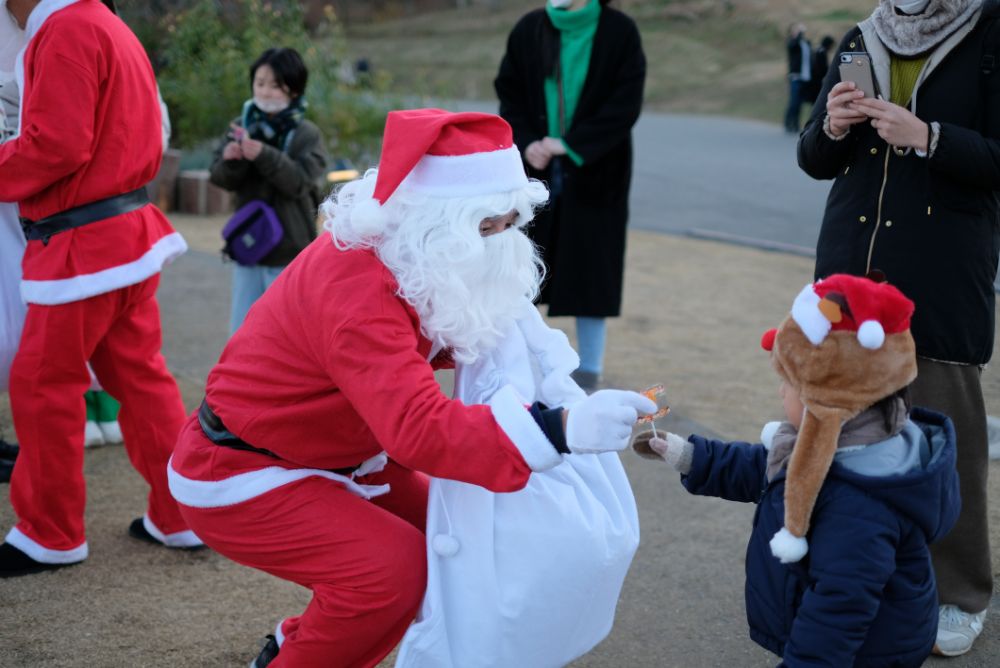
(119, 332)
(365, 561)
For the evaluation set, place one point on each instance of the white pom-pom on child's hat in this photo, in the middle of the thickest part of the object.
(845, 346)
(442, 154)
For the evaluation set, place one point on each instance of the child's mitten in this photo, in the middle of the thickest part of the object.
(675, 451)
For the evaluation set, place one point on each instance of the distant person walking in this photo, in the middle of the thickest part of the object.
(272, 156)
(914, 197)
(570, 84)
(799, 74)
(820, 66)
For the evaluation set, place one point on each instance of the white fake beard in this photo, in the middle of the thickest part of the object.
(271, 106)
(468, 305)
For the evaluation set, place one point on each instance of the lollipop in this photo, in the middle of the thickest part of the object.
(641, 443)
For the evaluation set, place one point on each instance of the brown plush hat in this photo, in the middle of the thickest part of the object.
(845, 346)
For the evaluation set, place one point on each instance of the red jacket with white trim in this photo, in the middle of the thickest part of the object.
(90, 130)
(330, 368)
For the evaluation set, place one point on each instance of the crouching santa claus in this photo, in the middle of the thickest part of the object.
(309, 458)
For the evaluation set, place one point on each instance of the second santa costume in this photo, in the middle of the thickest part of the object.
(307, 459)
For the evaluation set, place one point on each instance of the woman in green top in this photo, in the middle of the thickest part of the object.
(570, 85)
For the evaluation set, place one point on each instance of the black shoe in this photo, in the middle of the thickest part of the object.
(6, 469)
(137, 529)
(267, 652)
(8, 450)
(14, 563)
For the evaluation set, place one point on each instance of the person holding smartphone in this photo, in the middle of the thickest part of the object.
(915, 168)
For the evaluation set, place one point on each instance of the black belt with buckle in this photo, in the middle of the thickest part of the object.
(79, 216)
(215, 431)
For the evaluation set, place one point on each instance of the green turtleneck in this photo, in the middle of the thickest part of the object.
(903, 77)
(576, 38)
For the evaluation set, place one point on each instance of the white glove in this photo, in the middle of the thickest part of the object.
(603, 421)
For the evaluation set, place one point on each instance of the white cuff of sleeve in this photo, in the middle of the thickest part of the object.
(516, 421)
(935, 135)
(829, 133)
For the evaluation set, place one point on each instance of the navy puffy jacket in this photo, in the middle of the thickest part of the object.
(865, 594)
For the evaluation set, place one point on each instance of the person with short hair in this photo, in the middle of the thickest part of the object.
(273, 154)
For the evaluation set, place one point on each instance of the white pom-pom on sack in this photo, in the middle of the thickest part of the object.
(787, 547)
(445, 545)
(368, 219)
(871, 335)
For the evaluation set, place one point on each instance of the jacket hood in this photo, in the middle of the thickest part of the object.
(925, 487)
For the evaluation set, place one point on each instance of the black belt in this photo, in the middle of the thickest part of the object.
(216, 432)
(79, 216)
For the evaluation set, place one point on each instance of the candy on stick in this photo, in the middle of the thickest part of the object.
(641, 442)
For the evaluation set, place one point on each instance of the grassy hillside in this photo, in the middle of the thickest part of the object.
(705, 56)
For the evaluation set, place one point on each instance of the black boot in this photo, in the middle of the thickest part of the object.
(267, 652)
(8, 453)
(14, 563)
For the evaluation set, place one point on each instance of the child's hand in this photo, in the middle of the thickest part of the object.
(232, 151)
(251, 148)
(673, 449)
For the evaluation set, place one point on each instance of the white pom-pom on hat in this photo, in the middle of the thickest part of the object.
(445, 545)
(767, 434)
(871, 335)
(788, 548)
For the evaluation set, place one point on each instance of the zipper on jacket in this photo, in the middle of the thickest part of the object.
(878, 215)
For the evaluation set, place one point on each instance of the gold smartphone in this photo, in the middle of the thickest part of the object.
(857, 67)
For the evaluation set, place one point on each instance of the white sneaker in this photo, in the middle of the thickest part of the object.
(957, 630)
(92, 435)
(111, 431)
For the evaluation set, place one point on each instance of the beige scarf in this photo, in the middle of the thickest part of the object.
(906, 35)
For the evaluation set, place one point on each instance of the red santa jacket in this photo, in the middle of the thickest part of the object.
(330, 368)
(90, 130)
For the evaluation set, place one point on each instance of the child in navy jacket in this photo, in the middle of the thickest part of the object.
(868, 482)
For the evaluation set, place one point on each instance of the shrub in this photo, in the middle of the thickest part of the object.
(203, 50)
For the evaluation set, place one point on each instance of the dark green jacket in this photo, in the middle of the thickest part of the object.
(293, 183)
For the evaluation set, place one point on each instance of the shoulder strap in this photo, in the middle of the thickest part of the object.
(990, 60)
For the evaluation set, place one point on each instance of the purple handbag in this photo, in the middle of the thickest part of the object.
(252, 233)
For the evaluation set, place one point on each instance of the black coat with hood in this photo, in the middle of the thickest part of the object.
(582, 233)
(930, 225)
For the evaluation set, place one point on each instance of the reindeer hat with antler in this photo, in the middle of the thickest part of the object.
(845, 346)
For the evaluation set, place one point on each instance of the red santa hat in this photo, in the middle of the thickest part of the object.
(441, 154)
(845, 346)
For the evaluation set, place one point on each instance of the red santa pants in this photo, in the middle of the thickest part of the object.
(365, 561)
(119, 332)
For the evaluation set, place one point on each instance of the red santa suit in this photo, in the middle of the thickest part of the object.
(90, 130)
(329, 370)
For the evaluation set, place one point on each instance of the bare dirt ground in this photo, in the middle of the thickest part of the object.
(693, 315)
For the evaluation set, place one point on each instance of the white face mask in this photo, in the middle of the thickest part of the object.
(560, 4)
(271, 106)
(911, 7)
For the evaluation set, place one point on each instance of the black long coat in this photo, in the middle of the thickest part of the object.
(931, 226)
(582, 231)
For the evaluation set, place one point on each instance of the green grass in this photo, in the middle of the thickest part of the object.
(703, 56)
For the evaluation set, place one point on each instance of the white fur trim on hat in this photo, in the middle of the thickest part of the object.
(767, 434)
(871, 335)
(806, 313)
(484, 173)
(787, 547)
